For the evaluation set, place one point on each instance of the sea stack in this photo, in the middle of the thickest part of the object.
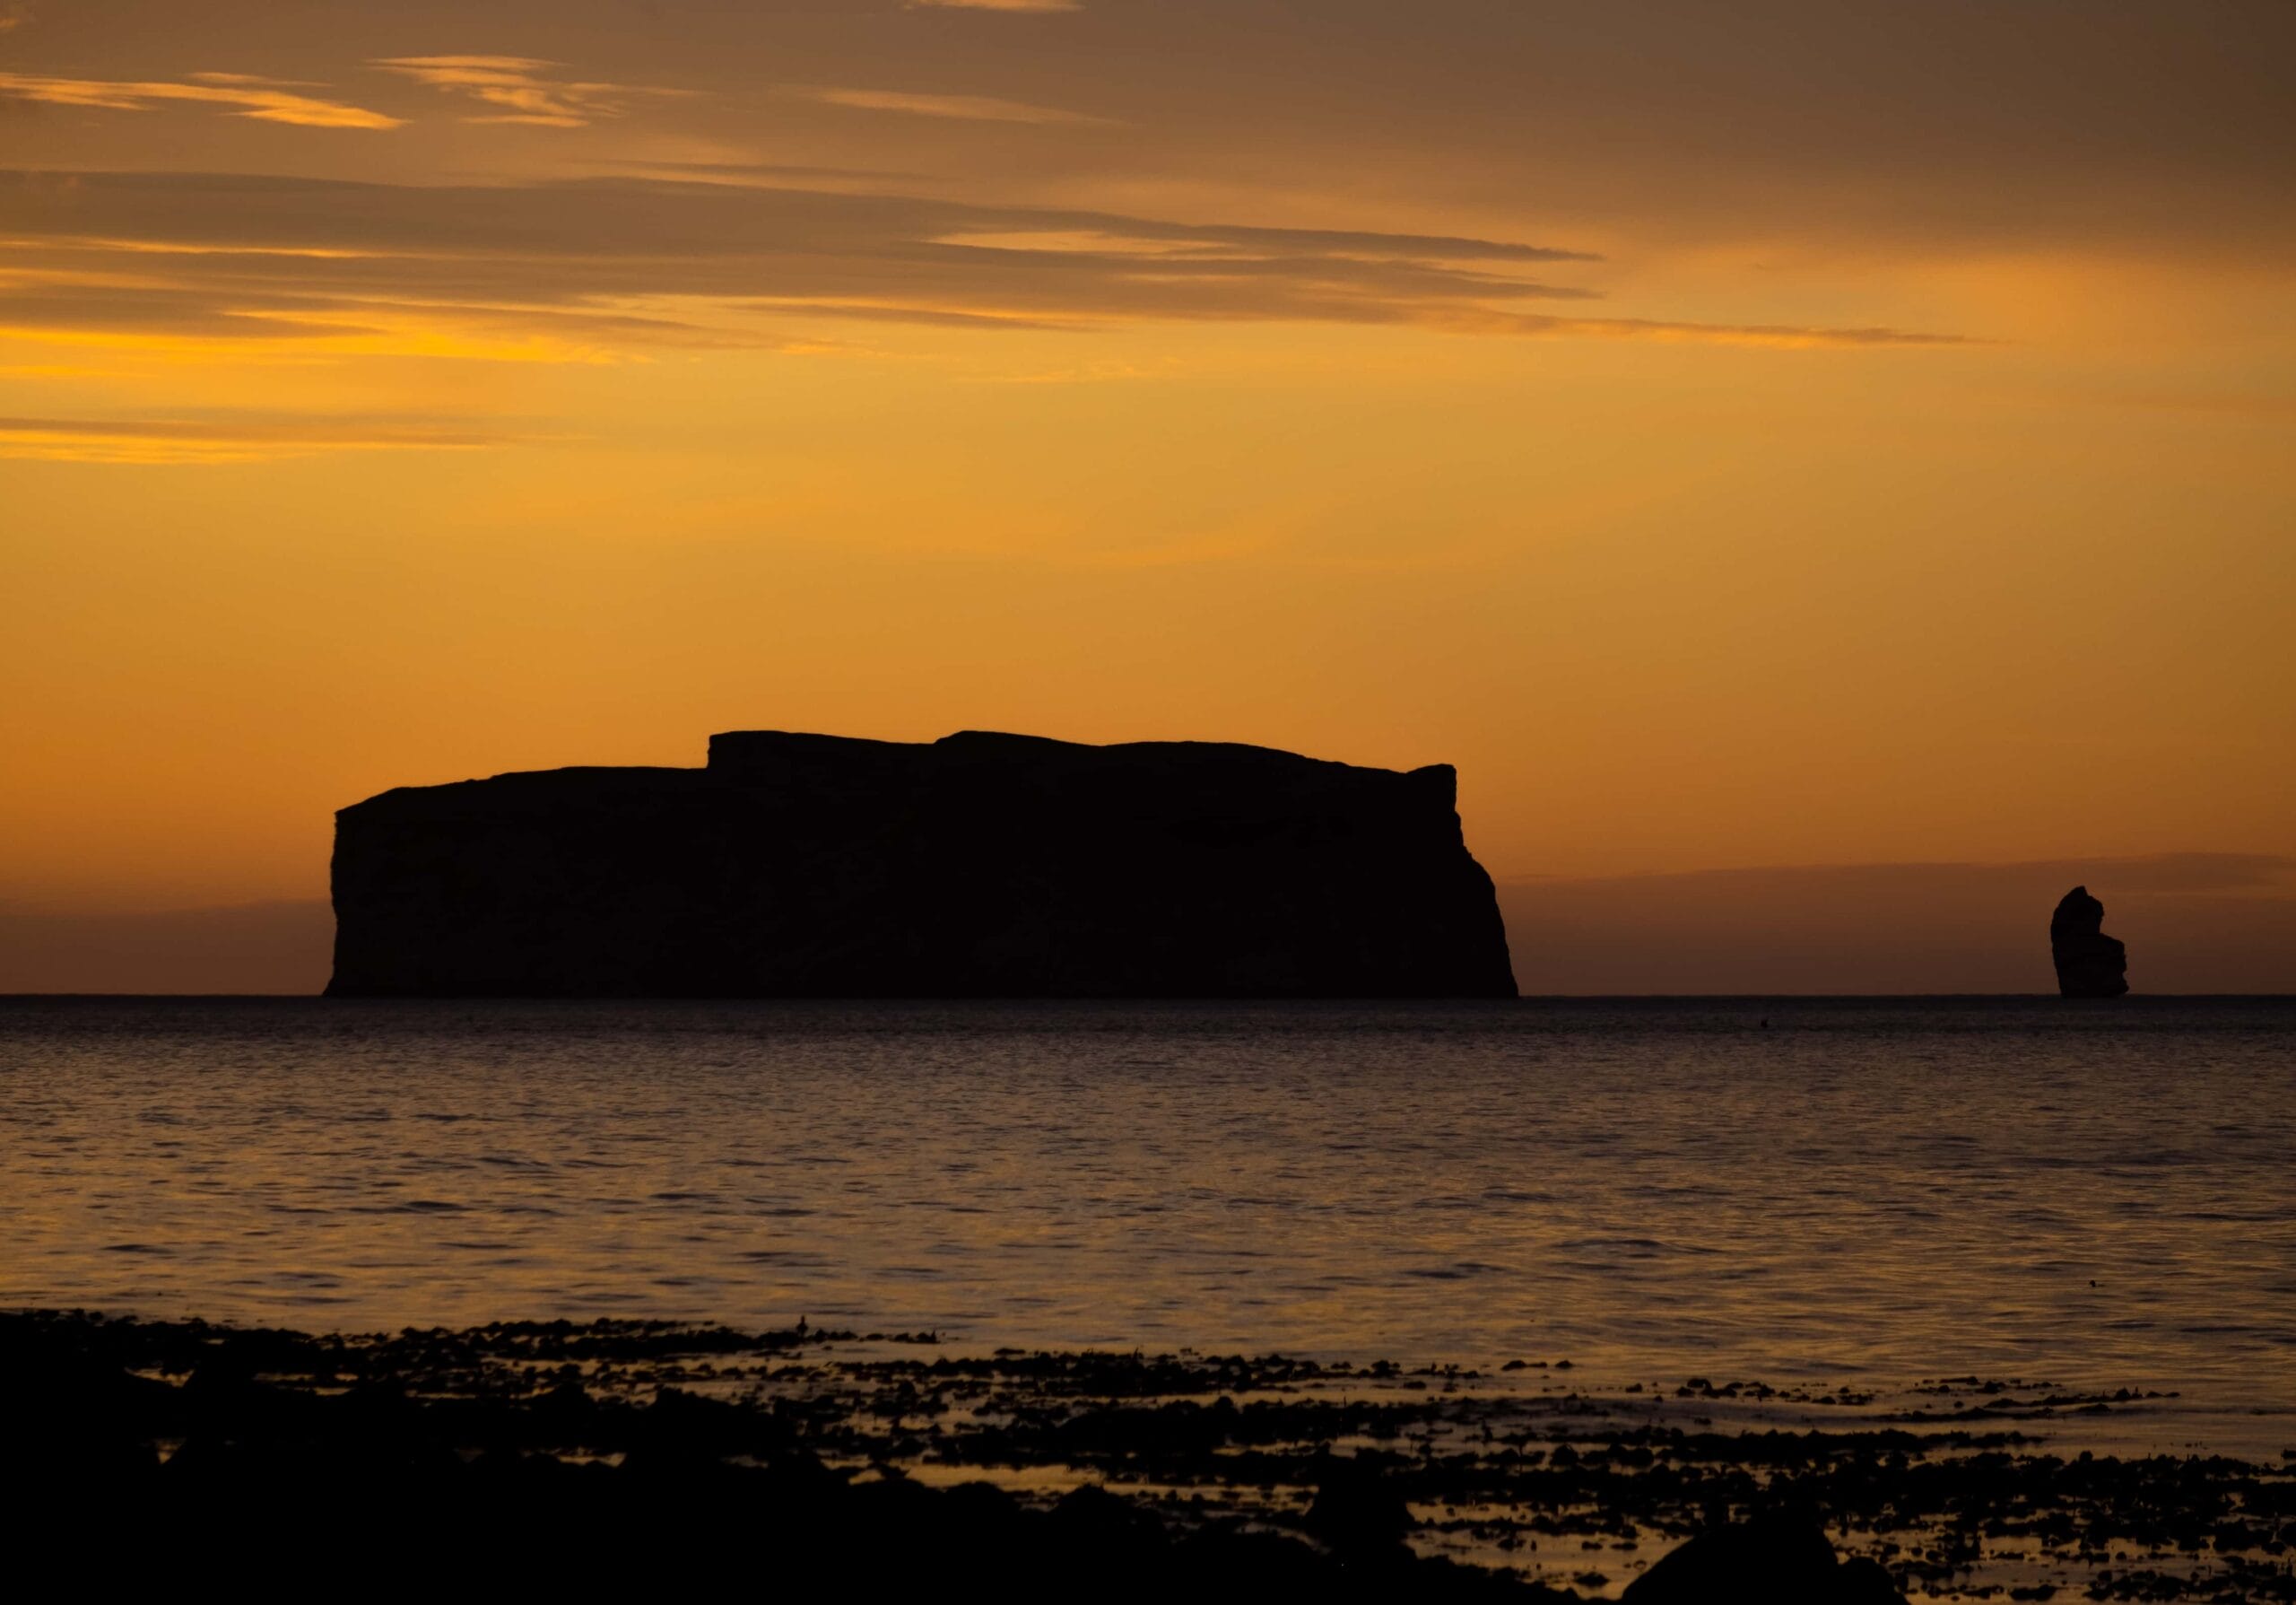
(2088, 963)
(980, 865)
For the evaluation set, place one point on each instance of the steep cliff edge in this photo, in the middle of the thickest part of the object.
(2088, 963)
(980, 865)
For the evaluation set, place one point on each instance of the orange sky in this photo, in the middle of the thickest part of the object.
(1791, 434)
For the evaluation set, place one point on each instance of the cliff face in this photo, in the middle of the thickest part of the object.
(2088, 963)
(980, 865)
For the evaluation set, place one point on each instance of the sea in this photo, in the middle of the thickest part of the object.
(1803, 1192)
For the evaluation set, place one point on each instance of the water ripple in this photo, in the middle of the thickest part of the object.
(1863, 1190)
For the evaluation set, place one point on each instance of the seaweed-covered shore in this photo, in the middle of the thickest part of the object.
(619, 1449)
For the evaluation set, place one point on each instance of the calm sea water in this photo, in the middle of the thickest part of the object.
(1881, 1191)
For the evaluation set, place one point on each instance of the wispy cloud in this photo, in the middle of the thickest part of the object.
(253, 80)
(1786, 336)
(970, 108)
(257, 97)
(230, 440)
(521, 89)
(590, 266)
(769, 173)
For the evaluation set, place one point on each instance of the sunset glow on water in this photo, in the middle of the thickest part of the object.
(1860, 1193)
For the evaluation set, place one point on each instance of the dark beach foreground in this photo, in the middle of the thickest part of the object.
(621, 1453)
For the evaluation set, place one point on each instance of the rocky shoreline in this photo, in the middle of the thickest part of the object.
(611, 1450)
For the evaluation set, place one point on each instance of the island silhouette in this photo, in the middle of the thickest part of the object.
(979, 865)
(2088, 963)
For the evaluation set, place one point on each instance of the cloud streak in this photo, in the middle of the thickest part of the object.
(620, 262)
(1006, 5)
(1784, 337)
(967, 108)
(255, 98)
(225, 440)
(520, 89)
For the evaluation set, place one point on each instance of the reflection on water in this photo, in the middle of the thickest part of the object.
(2097, 1194)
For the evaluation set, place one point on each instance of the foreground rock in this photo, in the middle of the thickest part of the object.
(626, 1455)
(2088, 963)
(979, 865)
(287, 1461)
(1773, 1560)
